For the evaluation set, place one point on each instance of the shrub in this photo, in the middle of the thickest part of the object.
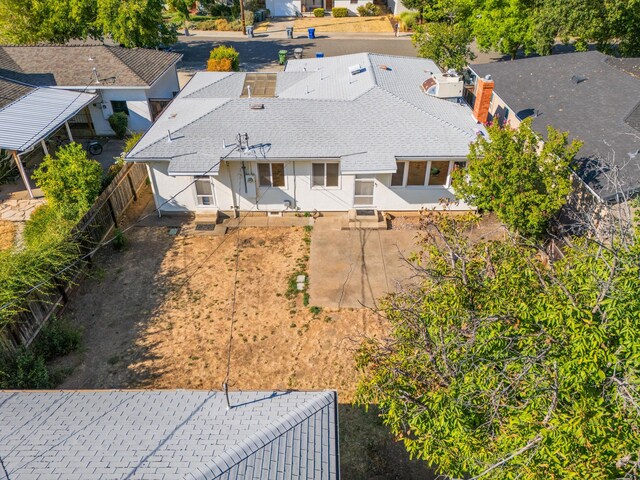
(224, 53)
(219, 10)
(222, 24)
(70, 181)
(24, 370)
(338, 12)
(249, 18)
(318, 12)
(119, 240)
(235, 26)
(118, 123)
(219, 65)
(56, 339)
(368, 10)
(46, 224)
(408, 20)
(207, 25)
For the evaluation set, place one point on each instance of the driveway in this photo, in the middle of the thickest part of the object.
(355, 268)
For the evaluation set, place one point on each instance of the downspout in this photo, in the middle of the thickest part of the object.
(295, 199)
(233, 194)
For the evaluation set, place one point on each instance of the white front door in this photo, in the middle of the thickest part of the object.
(363, 193)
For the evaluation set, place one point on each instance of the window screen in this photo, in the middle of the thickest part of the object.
(397, 178)
(317, 174)
(264, 175)
(119, 106)
(332, 174)
(417, 172)
(438, 173)
(277, 174)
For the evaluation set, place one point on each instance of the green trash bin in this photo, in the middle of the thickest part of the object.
(282, 56)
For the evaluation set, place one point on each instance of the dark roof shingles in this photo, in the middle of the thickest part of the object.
(72, 65)
(12, 91)
(596, 111)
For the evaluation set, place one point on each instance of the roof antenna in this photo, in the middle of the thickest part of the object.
(95, 74)
(307, 90)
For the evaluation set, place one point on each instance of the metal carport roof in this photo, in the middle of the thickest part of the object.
(38, 114)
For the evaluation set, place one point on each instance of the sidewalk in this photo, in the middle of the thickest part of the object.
(277, 30)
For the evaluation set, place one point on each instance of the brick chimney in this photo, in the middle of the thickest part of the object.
(484, 90)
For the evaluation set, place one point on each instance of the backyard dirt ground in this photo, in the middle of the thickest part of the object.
(158, 314)
(345, 24)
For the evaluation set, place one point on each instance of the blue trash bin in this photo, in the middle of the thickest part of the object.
(319, 54)
(312, 32)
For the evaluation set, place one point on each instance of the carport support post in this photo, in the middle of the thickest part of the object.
(66, 124)
(44, 147)
(23, 174)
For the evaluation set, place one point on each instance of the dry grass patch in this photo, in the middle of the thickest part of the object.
(7, 234)
(346, 24)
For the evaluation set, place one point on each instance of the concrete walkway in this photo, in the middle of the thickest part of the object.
(355, 268)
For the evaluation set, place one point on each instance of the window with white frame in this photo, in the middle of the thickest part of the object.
(271, 174)
(431, 173)
(204, 192)
(325, 174)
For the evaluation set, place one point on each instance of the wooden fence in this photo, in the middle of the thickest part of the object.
(103, 217)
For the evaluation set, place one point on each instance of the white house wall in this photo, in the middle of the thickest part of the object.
(137, 102)
(296, 195)
(167, 86)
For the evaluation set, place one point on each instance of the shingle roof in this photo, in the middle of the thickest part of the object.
(35, 113)
(168, 435)
(11, 91)
(321, 111)
(599, 110)
(72, 65)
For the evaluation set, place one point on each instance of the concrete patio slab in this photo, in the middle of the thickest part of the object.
(355, 268)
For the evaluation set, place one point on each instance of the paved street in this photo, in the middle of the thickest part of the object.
(262, 53)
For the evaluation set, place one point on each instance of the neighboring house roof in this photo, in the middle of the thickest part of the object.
(319, 110)
(168, 434)
(29, 114)
(72, 65)
(589, 94)
(11, 91)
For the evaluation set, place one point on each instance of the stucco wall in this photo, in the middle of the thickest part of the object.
(137, 103)
(297, 191)
(498, 108)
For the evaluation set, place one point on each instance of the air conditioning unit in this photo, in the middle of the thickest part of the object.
(444, 85)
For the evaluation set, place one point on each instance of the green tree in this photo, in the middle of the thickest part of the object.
(181, 7)
(70, 181)
(512, 174)
(508, 25)
(504, 363)
(56, 21)
(132, 23)
(445, 43)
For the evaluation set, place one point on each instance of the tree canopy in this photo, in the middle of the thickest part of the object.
(505, 362)
(132, 23)
(70, 181)
(512, 174)
(533, 26)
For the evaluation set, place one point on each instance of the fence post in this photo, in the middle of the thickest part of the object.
(133, 190)
(113, 213)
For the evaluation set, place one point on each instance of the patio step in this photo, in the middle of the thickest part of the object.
(366, 219)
